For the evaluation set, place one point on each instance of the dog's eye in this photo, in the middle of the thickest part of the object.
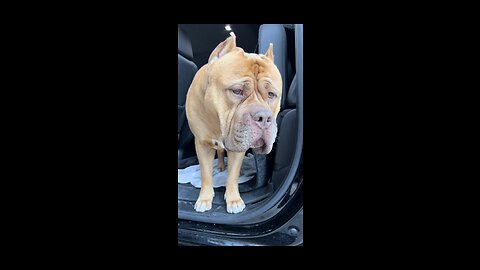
(271, 95)
(237, 92)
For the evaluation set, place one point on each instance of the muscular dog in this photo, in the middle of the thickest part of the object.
(232, 105)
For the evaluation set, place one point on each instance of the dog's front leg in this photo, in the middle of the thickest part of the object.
(205, 154)
(235, 203)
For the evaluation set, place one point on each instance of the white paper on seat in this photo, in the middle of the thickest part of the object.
(192, 174)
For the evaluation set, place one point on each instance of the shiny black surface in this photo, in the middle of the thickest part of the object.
(282, 230)
(288, 234)
(278, 230)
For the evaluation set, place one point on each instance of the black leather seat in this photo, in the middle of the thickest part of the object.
(186, 71)
(287, 135)
(276, 163)
(290, 102)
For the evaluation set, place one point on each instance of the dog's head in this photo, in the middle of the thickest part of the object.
(249, 88)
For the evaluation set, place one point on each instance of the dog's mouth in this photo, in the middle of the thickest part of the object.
(244, 135)
(261, 147)
(258, 144)
(242, 141)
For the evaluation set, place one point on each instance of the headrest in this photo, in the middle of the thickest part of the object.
(184, 45)
(292, 93)
(275, 33)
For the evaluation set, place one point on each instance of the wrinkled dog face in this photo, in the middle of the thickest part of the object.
(251, 87)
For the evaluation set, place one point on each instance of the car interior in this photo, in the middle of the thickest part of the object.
(195, 43)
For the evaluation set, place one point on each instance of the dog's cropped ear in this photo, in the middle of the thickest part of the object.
(223, 48)
(269, 52)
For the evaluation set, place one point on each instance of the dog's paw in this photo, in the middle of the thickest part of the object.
(235, 204)
(204, 203)
(221, 167)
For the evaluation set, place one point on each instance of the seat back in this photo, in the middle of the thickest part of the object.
(186, 71)
(284, 149)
